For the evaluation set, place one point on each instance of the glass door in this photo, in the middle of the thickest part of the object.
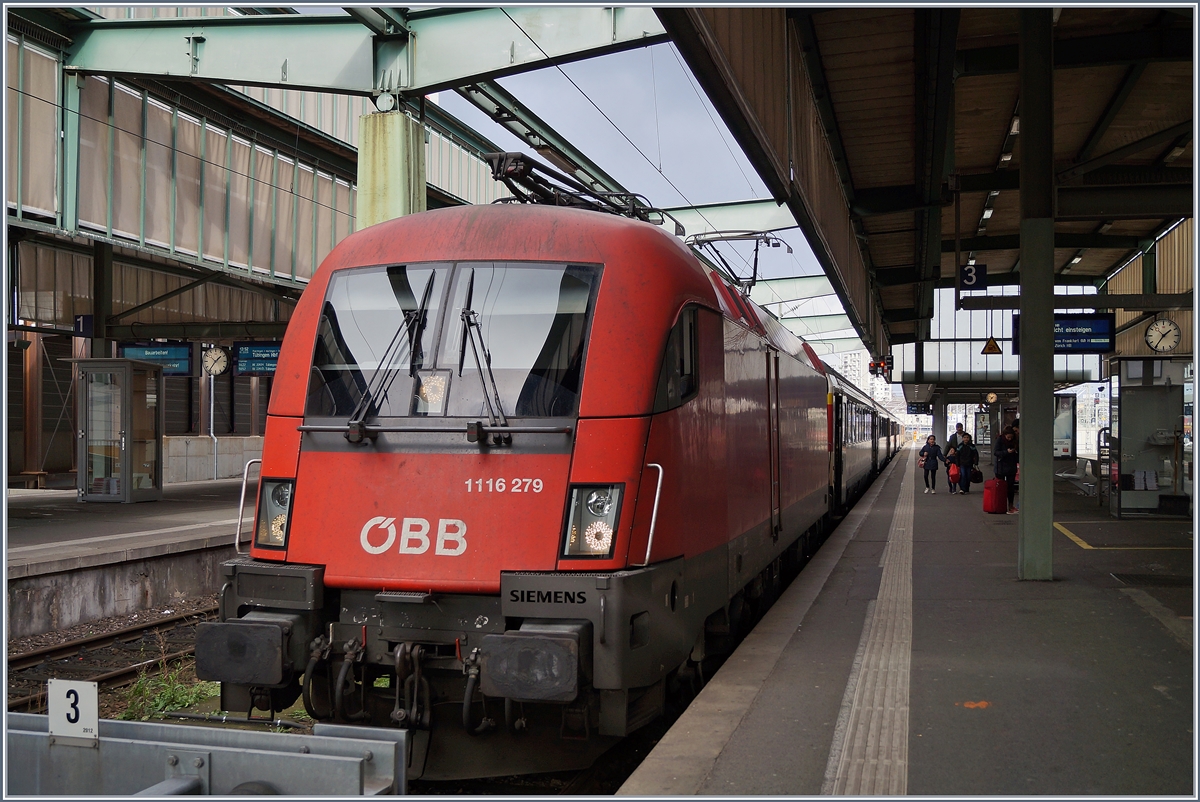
(102, 460)
(144, 435)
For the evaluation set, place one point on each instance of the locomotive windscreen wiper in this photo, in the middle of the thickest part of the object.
(381, 380)
(470, 331)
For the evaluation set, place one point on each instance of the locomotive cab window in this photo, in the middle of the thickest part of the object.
(677, 379)
(430, 340)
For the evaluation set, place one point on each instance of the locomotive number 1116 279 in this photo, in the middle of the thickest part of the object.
(504, 486)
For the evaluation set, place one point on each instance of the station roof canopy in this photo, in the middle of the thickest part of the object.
(864, 120)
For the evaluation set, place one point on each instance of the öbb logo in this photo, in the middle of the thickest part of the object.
(414, 536)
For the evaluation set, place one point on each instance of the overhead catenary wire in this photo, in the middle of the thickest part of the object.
(616, 127)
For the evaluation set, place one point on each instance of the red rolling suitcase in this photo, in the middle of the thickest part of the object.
(995, 496)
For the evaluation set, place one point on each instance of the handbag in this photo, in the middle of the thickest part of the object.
(976, 475)
(954, 473)
(921, 462)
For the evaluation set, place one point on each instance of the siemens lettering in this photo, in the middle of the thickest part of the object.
(548, 596)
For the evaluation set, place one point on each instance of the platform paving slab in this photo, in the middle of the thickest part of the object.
(1075, 686)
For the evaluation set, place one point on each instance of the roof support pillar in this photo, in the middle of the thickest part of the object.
(1036, 65)
(1150, 268)
(391, 168)
(102, 298)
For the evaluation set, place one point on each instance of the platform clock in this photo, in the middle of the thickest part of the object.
(216, 361)
(991, 398)
(1163, 335)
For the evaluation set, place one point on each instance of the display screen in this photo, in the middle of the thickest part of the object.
(255, 359)
(1092, 333)
(175, 358)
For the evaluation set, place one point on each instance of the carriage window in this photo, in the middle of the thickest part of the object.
(677, 380)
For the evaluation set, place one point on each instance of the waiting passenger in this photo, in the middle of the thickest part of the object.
(966, 459)
(1006, 464)
(951, 454)
(929, 455)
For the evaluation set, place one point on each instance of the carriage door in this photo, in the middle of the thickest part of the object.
(839, 442)
(773, 440)
(876, 422)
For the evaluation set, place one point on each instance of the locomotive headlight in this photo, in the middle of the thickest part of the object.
(599, 502)
(592, 521)
(274, 513)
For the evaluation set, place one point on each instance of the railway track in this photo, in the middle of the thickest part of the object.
(111, 659)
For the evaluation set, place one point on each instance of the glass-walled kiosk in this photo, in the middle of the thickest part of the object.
(120, 430)
(1150, 439)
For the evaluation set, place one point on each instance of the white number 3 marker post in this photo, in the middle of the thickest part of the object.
(74, 716)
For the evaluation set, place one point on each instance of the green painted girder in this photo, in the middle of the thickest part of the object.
(813, 325)
(504, 109)
(788, 290)
(750, 215)
(445, 48)
(838, 345)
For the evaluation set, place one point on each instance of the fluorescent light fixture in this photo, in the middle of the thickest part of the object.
(1016, 126)
(987, 213)
(1005, 157)
(1077, 260)
(993, 193)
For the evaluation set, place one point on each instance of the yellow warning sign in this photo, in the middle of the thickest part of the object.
(991, 347)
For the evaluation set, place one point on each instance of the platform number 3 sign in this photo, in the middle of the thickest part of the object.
(74, 716)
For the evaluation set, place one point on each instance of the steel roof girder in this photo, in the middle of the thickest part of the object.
(444, 49)
(494, 101)
(454, 48)
(751, 215)
(259, 50)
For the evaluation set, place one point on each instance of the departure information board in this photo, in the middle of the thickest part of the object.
(175, 357)
(1088, 333)
(255, 359)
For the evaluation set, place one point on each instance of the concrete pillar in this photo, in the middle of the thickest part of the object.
(939, 420)
(391, 168)
(1036, 65)
(102, 293)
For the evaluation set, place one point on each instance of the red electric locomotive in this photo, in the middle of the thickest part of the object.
(522, 465)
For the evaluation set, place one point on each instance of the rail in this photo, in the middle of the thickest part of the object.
(237, 535)
(91, 648)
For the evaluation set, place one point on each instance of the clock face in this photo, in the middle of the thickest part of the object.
(1163, 335)
(216, 361)
(991, 398)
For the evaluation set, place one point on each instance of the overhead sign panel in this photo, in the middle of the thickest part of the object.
(1089, 333)
(255, 359)
(175, 357)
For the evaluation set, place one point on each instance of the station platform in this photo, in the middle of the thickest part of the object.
(907, 658)
(70, 562)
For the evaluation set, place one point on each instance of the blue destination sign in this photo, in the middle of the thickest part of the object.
(255, 359)
(1087, 333)
(175, 358)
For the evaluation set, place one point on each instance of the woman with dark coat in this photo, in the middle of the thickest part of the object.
(931, 453)
(966, 458)
(1006, 463)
